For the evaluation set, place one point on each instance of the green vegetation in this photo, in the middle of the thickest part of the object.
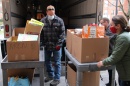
(1, 31)
(1, 21)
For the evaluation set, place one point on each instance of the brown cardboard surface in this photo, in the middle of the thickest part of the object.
(24, 72)
(89, 78)
(76, 47)
(89, 49)
(22, 51)
(71, 75)
(16, 31)
(69, 40)
(32, 29)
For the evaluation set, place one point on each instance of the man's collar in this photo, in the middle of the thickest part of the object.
(108, 27)
(55, 17)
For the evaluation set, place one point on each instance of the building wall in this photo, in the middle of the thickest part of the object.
(109, 9)
(125, 5)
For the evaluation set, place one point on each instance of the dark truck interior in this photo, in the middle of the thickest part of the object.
(66, 9)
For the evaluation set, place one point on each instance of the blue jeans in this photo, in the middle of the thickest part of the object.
(56, 71)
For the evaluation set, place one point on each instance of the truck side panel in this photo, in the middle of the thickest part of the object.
(83, 12)
(6, 18)
(18, 13)
(14, 14)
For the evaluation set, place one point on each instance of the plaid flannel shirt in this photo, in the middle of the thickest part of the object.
(53, 34)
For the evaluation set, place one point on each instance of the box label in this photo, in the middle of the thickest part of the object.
(92, 32)
(21, 45)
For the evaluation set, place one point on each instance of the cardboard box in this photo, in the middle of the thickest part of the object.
(16, 31)
(89, 78)
(23, 72)
(22, 51)
(33, 29)
(89, 49)
(71, 75)
(69, 40)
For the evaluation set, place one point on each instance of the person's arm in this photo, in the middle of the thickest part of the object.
(61, 34)
(118, 52)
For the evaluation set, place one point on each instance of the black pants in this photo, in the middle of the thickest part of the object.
(110, 76)
(3, 48)
(124, 83)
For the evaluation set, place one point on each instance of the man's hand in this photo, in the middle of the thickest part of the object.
(100, 64)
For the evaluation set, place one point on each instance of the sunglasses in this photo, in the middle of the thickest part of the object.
(50, 9)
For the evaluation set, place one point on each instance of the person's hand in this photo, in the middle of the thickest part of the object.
(100, 64)
(57, 48)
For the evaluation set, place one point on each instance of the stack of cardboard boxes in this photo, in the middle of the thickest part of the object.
(85, 50)
(23, 50)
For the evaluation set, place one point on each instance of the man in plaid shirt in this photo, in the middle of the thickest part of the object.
(52, 37)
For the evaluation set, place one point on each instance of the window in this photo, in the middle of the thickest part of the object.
(113, 3)
(119, 9)
(106, 3)
(122, 1)
(105, 12)
(113, 12)
(109, 11)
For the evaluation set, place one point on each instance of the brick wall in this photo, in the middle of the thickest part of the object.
(111, 10)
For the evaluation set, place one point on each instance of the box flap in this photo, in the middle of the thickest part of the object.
(23, 72)
(9, 39)
(16, 31)
(15, 38)
(72, 66)
(69, 40)
(76, 47)
(32, 29)
(12, 39)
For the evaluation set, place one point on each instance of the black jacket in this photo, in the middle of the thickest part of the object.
(52, 34)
